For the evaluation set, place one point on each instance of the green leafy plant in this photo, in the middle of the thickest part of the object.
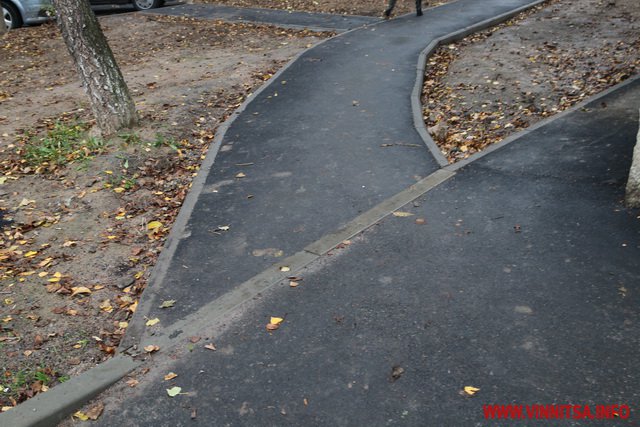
(63, 144)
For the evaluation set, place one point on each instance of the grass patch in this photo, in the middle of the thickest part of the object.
(64, 144)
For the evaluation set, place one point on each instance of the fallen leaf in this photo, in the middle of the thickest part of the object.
(402, 214)
(152, 322)
(241, 175)
(132, 382)
(81, 416)
(210, 347)
(272, 327)
(170, 376)
(151, 348)
(285, 268)
(80, 290)
(396, 372)
(421, 221)
(30, 254)
(174, 391)
(470, 390)
(154, 225)
(293, 284)
(95, 411)
(194, 339)
(168, 303)
(45, 262)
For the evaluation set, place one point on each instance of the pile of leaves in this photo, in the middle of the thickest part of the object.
(522, 73)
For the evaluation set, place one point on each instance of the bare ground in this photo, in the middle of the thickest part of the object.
(489, 85)
(82, 231)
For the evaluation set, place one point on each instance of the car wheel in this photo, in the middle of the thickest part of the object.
(12, 18)
(147, 4)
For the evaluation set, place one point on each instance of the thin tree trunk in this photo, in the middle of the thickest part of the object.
(633, 183)
(111, 102)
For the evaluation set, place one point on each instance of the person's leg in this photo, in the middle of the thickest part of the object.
(419, 7)
(392, 4)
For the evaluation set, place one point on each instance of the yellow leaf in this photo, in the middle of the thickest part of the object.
(153, 225)
(123, 325)
(81, 416)
(112, 237)
(8, 301)
(133, 307)
(28, 273)
(98, 287)
(276, 320)
(402, 214)
(152, 322)
(471, 390)
(119, 190)
(54, 279)
(106, 306)
(42, 274)
(285, 268)
(45, 262)
(170, 376)
(57, 274)
(167, 303)
(151, 348)
(31, 254)
(80, 290)
(241, 175)
(174, 391)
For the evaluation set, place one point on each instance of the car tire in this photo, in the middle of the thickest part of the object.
(12, 18)
(147, 4)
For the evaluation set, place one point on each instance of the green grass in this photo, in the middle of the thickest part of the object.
(64, 144)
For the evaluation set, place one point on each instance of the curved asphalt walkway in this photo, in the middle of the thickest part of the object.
(522, 282)
(312, 149)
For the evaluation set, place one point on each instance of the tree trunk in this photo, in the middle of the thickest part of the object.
(111, 102)
(633, 183)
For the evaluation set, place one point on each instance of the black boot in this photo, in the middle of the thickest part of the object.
(386, 14)
(419, 12)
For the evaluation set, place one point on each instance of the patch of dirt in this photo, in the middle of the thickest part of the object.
(353, 7)
(81, 231)
(487, 86)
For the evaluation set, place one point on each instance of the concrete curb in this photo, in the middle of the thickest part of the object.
(416, 104)
(48, 409)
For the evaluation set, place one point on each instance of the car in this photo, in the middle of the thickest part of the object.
(138, 4)
(17, 13)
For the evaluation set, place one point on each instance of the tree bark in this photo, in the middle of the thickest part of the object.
(111, 101)
(633, 183)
